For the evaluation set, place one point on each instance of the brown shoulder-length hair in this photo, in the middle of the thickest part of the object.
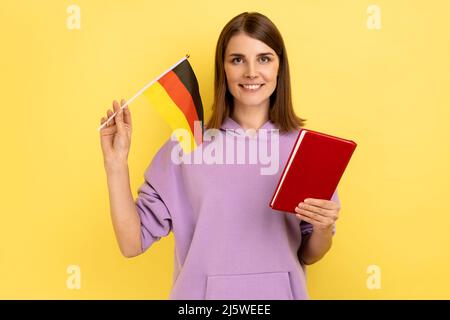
(257, 26)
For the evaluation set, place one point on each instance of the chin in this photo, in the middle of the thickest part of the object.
(252, 103)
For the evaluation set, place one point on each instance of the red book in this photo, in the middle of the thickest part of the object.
(313, 169)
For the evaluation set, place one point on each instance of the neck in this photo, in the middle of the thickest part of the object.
(251, 117)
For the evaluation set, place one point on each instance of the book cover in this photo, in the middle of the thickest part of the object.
(313, 169)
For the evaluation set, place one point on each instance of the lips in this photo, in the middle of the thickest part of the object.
(251, 87)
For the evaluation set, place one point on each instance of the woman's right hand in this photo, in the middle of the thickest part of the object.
(115, 137)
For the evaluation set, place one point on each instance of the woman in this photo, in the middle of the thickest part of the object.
(229, 244)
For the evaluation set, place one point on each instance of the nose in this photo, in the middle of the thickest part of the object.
(251, 71)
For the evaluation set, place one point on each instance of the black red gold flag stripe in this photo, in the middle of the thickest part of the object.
(177, 98)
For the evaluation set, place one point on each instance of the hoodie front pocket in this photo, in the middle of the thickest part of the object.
(253, 286)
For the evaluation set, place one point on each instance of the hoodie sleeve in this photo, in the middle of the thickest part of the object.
(307, 228)
(153, 201)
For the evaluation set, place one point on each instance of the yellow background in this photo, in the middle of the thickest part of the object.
(386, 89)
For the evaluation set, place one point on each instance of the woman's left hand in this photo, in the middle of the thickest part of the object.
(322, 214)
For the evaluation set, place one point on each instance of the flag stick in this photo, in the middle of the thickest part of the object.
(143, 89)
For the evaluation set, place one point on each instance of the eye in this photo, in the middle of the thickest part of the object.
(264, 59)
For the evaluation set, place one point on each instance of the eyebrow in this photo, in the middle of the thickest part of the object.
(242, 55)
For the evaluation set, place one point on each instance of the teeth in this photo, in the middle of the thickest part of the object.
(251, 87)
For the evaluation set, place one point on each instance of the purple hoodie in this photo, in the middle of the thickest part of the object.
(229, 243)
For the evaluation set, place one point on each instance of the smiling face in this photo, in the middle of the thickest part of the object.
(251, 69)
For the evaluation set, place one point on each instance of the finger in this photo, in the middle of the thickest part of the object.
(112, 121)
(116, 106)
(318, 210)
(307, 219)
(311, 215)
(326, 204)
(126, 114)
(106, 131)
(103, 123)
(119, 116)
(326, 214)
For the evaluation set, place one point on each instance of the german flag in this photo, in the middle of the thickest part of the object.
(176, 96)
